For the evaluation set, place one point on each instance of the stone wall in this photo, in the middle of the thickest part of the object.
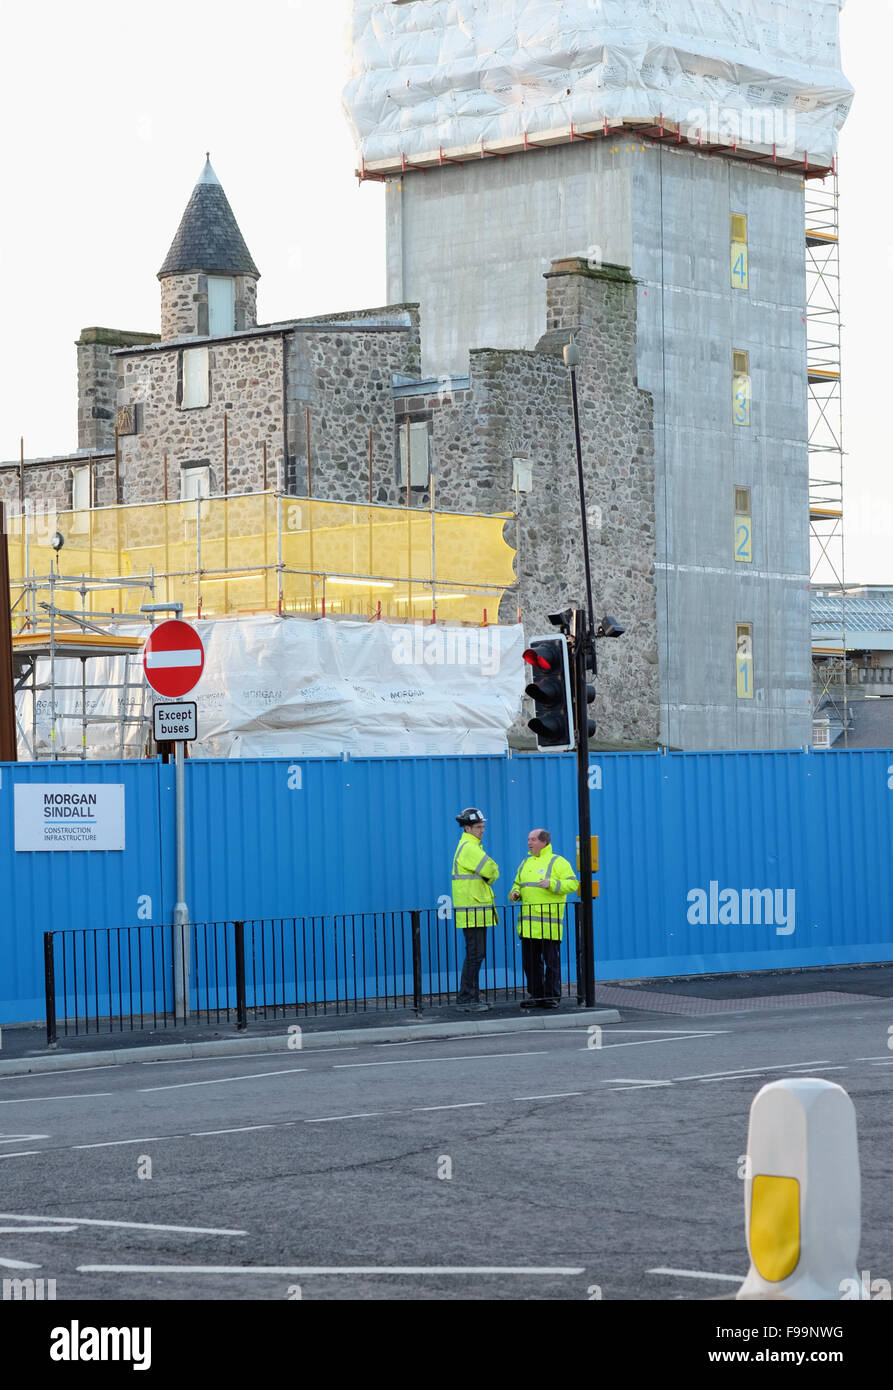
(246, 387)
(184, 305)
(97, 383)
(518, 406)
(344, 378)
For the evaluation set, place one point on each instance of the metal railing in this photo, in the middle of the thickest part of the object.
(115, 980)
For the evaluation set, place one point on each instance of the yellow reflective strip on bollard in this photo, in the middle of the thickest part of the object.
(775, 1226)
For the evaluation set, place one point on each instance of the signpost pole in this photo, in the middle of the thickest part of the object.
(181, 941)
(181, 911)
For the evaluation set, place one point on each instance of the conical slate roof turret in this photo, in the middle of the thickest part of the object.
(208, 239)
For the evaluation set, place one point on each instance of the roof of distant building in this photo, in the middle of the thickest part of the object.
(862, 614)
(208, 239)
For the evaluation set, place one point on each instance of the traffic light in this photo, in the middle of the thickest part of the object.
(551, 691)
(590, 723)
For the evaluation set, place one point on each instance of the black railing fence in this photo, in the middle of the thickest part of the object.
(122, 979)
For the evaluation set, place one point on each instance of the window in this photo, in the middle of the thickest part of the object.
(522, 475)
(81, 496)
(195, 385)
(743, 541)
(195, 481)
(221, 305)
(739, 251)
(414, 439)
(741, 387)
(744, 660)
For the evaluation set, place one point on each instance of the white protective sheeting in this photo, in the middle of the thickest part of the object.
(450, 75)
(275, 687)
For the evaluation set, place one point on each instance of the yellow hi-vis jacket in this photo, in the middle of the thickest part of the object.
(473, 873)
(542, 909)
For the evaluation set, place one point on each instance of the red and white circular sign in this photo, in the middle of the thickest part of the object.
(173, 659)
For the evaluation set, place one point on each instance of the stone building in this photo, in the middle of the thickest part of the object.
(336, 407)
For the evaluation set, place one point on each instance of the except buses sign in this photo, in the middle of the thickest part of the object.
(173, 659)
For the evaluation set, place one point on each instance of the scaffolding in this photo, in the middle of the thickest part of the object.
(826, 452)
(50, 636)
(273, 552)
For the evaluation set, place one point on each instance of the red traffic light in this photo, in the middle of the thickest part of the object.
(533, 658)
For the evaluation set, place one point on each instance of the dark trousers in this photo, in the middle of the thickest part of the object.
(541, 960)
(475, 950)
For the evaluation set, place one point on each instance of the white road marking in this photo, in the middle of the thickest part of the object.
(882, 1058)
(360, 1115)
(881, 1061)
(688, 1032)
(23, 1138)
(113, 1143)
(65, 1071)
(640, 1085)
(739, 1071)
(242, 1129)
(414, 1061)
(17, 1264)
(23, 1153)
(35, 1100)
(36, 1230)
(219, 1080)
(698, 1274)
(460, 1105)
(649, 1042)
(240, 1056)
(127, 1225)
(554, 1095)
(331, 1269)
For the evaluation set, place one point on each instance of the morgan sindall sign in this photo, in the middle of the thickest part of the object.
(69, 815)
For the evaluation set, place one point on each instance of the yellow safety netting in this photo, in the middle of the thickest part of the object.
(265, 552)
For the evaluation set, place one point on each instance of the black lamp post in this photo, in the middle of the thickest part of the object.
(584, 635)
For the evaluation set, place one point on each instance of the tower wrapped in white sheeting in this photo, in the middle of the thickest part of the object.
(450, 79)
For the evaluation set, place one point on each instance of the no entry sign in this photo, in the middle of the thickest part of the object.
(173, 659)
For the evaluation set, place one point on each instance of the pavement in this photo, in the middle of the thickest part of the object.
(23, 1047)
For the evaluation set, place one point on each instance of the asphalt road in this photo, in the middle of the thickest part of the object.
(516, 1166)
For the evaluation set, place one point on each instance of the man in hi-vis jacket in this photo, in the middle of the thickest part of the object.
(542, 884)
(474, 873)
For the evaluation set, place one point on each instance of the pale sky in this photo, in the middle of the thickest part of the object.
(107, 107)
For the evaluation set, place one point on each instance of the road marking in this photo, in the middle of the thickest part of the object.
(242, 1129)
(113, 1143)
(360, 1115)
(879, 1061)
(748, 1071)
(460, 1105)
(23, 1138)
(17, 1264)
(882, 1058)
(698, 1274)
(219, 1080)
(128, 1225)
(65, 1071)
(649, 1042)
(332, 1269)
(554, 1095)
(35, 1230)
(622, 1083)
(23, 1153)
(35, 1100)
(414, 1061)
(240, 1056)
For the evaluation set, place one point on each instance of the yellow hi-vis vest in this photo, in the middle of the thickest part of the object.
(473, 873)
(542, 909)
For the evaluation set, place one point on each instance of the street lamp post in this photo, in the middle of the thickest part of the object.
(584, 633)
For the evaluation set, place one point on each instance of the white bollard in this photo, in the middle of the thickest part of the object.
(802, 1194)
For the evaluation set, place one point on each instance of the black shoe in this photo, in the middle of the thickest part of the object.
(548, 1003)
(530, 1003)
